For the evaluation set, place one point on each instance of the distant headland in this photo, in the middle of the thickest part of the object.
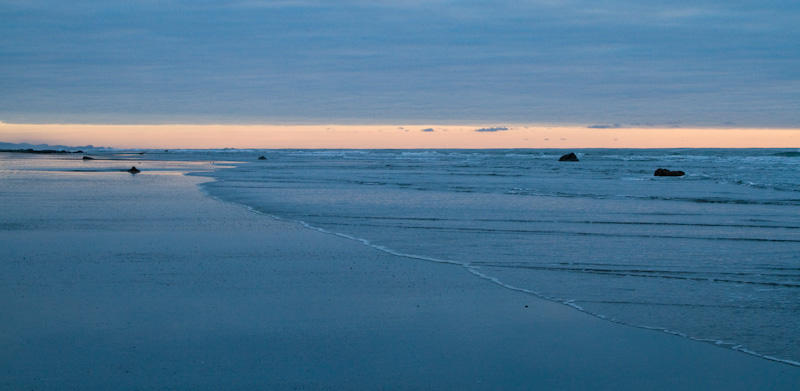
(45, 148)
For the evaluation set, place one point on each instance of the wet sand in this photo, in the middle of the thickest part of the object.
(140, 282)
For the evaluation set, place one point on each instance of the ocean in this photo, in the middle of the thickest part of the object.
(713, 255)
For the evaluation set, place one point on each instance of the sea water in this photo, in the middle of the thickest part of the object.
(713, 255)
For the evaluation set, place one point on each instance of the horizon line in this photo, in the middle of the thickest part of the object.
(488, 135)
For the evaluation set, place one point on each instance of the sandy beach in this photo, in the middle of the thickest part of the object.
(113, 281)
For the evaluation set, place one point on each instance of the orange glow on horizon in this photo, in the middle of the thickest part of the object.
(391, 136)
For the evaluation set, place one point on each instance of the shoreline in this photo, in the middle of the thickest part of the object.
(109, 283)
(716, 343)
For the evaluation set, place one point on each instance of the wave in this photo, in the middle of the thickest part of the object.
(787, 154)
(556, 221)
(474, 269)
(789, 187)
(734, 201)
(571, 233)
(676, 275)
(696, 200)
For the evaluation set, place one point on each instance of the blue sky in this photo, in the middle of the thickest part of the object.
(633, 63)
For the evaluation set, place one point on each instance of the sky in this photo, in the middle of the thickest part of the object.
(391, 136)
(572, 64)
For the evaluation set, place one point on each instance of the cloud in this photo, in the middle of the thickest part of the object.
(615, 126)
(494, 129)
(412, 61)
(427, 130)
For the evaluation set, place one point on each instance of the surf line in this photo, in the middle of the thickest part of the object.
(473, 269)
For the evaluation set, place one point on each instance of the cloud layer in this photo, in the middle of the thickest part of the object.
(493, 129)
(579, 62)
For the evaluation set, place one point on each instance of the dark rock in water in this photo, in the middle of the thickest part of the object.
(570, 157)
(665, 172)
(88, 158)
(133, 170)
(262, 158)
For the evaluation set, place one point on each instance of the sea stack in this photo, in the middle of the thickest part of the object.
(570, 157)
(665, 172)
(133, 170)
(262, 158)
